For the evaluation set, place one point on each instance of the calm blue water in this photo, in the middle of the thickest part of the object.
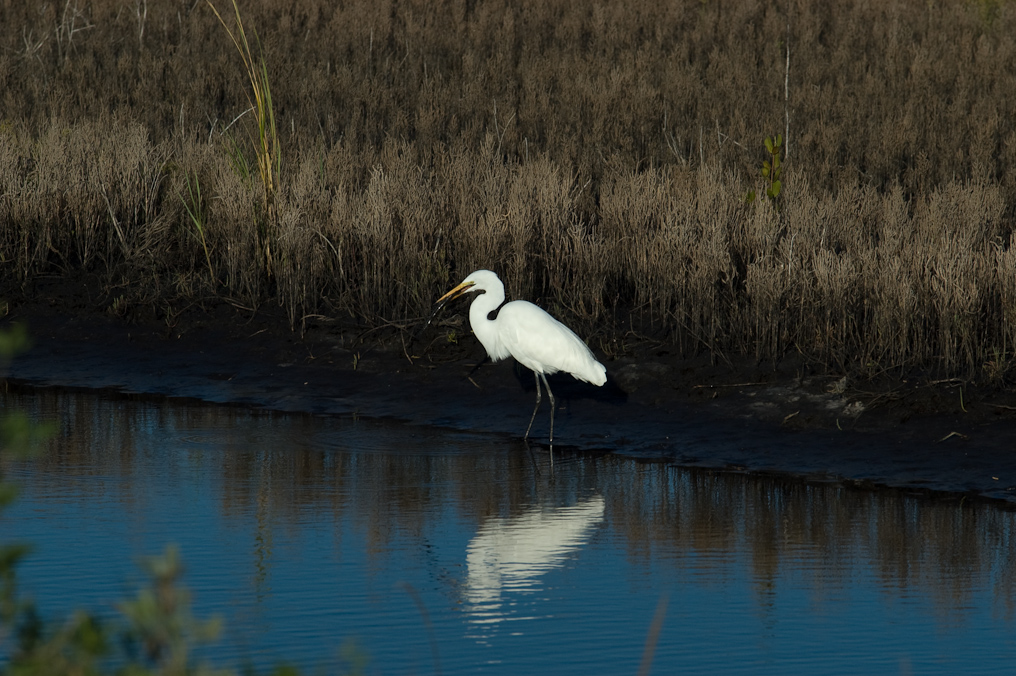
(426, 552)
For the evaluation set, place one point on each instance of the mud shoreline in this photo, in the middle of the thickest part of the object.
(945, 437)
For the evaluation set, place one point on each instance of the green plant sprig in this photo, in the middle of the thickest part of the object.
(772, 170)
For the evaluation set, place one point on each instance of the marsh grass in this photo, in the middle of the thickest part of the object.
(265, 142)
(596, 155)
(195, 207)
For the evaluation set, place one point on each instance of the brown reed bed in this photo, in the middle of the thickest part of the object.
(596, 154)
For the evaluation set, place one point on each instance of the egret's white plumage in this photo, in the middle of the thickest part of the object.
(526, 332)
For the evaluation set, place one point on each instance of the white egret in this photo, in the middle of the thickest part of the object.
(526, 332)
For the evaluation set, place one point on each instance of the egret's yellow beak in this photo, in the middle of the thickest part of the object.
(455, 293)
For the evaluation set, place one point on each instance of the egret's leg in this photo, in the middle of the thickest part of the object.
(536, 408)
(553, 405)
(550, 395)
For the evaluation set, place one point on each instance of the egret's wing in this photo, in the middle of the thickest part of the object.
(545, 345)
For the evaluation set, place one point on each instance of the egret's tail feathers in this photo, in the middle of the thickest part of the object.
(595, 374)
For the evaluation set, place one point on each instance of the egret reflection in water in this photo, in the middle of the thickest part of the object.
(305, 531)
(510, 554)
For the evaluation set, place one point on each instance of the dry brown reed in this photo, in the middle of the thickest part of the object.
(595, 154)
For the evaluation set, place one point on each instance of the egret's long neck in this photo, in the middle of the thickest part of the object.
(484, 328)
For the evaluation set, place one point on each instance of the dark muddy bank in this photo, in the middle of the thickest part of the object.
(919, 434)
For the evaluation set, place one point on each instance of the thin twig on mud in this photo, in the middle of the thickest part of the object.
(697, 387)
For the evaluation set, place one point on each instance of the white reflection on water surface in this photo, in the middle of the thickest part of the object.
(304, 533)
(508, 555)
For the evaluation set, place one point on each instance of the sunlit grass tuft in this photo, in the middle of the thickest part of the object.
(265, 142)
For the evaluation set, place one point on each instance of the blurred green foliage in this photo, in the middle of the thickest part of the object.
(157, 633)
(13, 340)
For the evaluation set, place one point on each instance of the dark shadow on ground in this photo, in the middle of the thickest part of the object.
(944, 436)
